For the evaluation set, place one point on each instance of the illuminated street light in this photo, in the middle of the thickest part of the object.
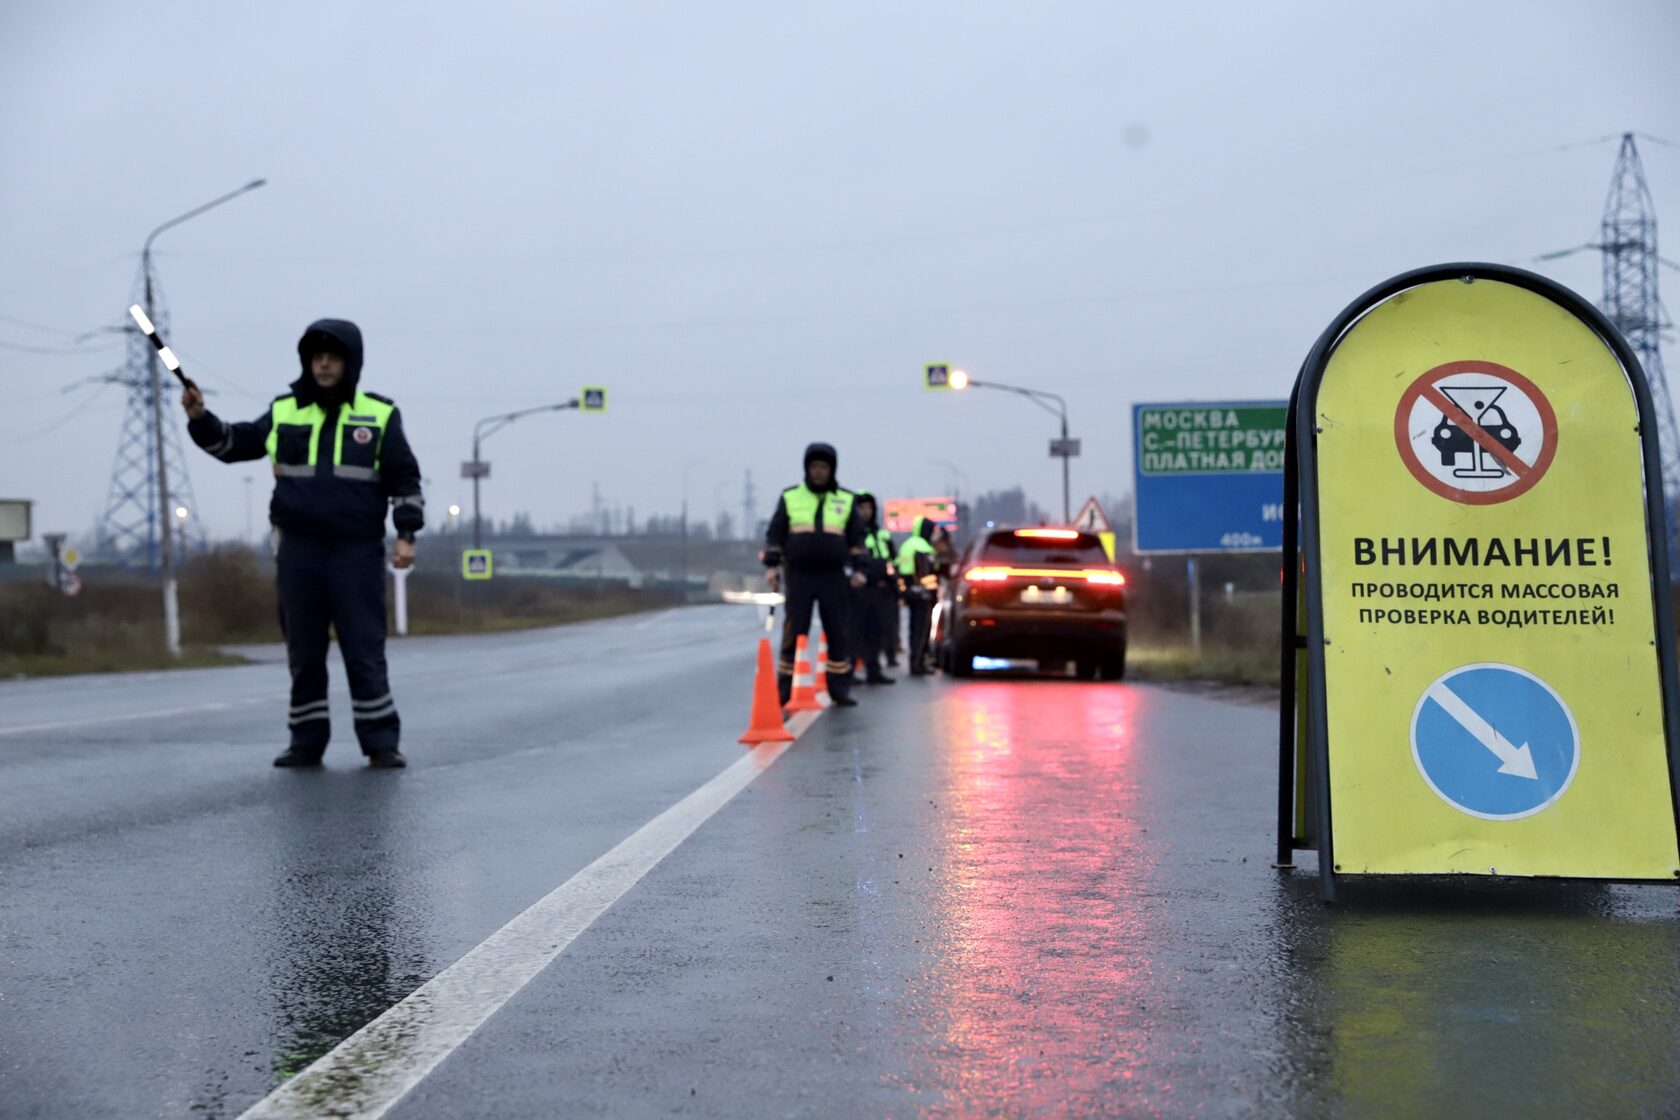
(1063, 449)
(180, 513)
(594, 399)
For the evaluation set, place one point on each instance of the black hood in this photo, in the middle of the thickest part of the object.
(336, 336)
(865, 496)
(826, 453)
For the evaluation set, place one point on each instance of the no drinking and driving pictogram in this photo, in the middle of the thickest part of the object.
(1475, 432)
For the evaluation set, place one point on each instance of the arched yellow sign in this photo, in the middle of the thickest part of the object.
(1486, 646)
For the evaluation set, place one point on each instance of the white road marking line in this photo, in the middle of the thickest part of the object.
(369, 1072)
(127, 716)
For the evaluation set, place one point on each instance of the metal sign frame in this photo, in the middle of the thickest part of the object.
(1303, 573)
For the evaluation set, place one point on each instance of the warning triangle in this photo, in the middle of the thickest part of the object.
(1092, 519)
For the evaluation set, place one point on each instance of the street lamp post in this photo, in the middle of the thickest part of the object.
(478, 468)
(166, 557)
(1063, 449)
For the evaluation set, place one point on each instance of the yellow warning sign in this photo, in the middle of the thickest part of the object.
(1488, 647)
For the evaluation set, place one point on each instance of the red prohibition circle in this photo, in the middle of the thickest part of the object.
(1525, 480)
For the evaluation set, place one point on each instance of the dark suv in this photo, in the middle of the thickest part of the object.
(1046, 594)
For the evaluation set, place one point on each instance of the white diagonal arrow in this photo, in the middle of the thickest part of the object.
(1516, 761)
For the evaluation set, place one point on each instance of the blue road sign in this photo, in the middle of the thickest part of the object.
(1208, 476)
(1495, 741)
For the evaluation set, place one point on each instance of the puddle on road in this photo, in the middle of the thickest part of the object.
(1104, 947)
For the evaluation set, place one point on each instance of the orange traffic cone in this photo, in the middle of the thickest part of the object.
(804, 687)
(822, 664)
(766, 725)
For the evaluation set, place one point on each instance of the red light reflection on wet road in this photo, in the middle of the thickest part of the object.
(1045, 967)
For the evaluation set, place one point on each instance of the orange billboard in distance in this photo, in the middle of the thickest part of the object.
(901, 513)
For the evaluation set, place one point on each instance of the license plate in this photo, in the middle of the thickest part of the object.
(1053, 596)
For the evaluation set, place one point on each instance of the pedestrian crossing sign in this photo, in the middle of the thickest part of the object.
(594, 399)
(476, 563)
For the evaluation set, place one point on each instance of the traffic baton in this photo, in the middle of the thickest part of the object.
(169, 359)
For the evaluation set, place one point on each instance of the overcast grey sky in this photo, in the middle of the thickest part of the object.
(755, 222)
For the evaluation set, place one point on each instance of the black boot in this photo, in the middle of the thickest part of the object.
(298, 756)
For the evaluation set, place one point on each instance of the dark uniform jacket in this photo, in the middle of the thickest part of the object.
(826, 546)
(324, 500)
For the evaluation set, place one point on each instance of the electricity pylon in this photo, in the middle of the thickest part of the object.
(129, 530)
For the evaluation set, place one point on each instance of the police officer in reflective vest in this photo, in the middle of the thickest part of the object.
(813, 537)
(918, 562)
(875, 604)
(340, 459)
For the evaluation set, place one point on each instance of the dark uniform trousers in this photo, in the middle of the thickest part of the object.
(337, 583)
(920, 602)
(829, 593)
(873, 611)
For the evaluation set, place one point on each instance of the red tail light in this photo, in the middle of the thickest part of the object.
(1102, 577)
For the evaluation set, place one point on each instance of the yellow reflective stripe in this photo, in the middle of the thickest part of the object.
(364, 406)
(372, 413)
(803, 527)
(803, 504)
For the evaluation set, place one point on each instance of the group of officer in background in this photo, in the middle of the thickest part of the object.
(341, 462)
(826, 551)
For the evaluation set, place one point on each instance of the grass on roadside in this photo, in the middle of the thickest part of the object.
(1174, 662)
(228, 598)
(441, 605)
(106, 660)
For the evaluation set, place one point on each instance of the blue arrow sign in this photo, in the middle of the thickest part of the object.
(1495, 741)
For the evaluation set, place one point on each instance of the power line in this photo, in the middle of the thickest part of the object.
(15, 321)
(56, 351)
(34, 433)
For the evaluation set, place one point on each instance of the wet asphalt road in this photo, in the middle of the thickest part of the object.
(997, 897)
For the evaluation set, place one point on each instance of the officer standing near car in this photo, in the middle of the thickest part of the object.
(340, 459)
(875, 604)
(813, 538)
(918, 561)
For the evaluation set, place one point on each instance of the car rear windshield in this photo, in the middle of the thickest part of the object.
(1039, 547)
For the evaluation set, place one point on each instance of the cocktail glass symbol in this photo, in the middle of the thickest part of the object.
(1479, 402)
